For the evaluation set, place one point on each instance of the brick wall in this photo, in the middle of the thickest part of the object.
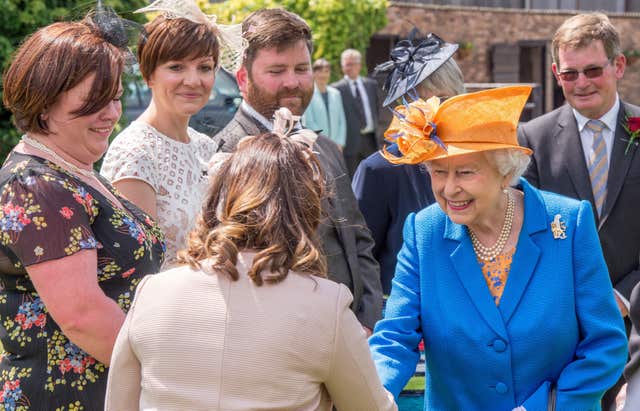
(485, 27)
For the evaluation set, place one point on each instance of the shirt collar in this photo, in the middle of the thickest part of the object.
(262, 119)
(259, 117)
(609, 118)
(349, 79)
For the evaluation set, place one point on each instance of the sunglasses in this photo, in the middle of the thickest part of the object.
(590, 72)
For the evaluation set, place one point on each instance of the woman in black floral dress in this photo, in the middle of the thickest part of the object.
(72, 250)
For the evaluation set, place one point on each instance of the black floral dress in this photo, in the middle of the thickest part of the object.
(46, 214)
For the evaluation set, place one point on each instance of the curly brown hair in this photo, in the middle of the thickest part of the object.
(267, 197)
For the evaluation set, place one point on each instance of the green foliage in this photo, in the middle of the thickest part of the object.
(19, 18)
(336, 24)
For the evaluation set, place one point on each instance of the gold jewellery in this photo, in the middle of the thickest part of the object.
(57, 159)
(489, 253)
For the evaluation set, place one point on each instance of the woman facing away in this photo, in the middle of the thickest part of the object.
(159, 162)
(250, 320)
(506, 284)
(72, 250)
(388, 192)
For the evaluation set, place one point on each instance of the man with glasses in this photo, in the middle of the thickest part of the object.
(582, 149)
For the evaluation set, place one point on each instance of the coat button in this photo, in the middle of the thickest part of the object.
(501, 388)
(499, 345)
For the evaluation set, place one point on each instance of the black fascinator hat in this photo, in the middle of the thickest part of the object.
(122, 33)
(411, 62)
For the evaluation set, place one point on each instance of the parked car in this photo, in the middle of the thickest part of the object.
(222, 105)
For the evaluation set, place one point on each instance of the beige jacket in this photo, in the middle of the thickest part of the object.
(198, 341)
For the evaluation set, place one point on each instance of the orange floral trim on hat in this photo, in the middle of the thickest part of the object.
(414, 131)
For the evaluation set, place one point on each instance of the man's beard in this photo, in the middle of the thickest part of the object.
(267, 104)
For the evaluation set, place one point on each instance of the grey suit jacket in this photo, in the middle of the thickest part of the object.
(353, 123)
(558, 165)
(347, 241)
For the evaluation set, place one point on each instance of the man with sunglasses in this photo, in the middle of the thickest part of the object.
(582, 149)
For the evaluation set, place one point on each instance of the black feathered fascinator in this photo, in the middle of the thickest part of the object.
(411, 62)
(120, 32)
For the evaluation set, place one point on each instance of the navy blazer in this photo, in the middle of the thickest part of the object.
(387, 193)
(557, 321)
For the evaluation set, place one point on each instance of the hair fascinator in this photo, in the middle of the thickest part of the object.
(283, 125)
(467, 123)
(232, 44)
(120, 32)
(411, 62)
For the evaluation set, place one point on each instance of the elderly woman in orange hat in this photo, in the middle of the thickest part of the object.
(506, 284)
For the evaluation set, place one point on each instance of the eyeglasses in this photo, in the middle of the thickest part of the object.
(590, 72)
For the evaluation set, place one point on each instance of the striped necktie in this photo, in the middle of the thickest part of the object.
(598, 167)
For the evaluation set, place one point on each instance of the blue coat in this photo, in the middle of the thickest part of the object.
(557, 321)
(386, 194)
(332, 122)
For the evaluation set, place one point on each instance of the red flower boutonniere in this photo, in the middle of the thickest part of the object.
(632, 126)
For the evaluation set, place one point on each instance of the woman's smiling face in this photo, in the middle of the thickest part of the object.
(468, 188)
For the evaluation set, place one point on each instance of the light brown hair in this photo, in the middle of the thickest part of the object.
(580, 30)
(53, 60)
(320, 64)
(266, 197)
(175, 39)
(268, 28)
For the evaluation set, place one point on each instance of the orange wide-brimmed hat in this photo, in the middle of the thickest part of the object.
(467, 123)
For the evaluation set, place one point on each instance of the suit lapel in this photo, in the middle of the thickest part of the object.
(527, 252)
(350, 100)
(618, 165)
(463, 259)
(570, 151)
(249, 124)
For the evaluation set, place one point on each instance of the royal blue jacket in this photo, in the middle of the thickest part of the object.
(557, 322)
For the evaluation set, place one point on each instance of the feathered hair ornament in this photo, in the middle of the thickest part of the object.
(232, 44)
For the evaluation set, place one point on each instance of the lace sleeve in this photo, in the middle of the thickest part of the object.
(129, 156)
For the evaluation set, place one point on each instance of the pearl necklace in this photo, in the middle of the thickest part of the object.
(57, 159)
(489, 253)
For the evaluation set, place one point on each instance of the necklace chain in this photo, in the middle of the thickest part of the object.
(57, 158)
(489, 253)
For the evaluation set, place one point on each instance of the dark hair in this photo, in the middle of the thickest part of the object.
(269, 28)
(53, 60)
(175, 39)
(266, 197)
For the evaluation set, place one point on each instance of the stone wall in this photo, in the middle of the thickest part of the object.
(485, 27)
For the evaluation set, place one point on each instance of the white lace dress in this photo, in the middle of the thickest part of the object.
(178, 172)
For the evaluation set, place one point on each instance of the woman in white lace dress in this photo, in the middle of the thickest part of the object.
(159, 162)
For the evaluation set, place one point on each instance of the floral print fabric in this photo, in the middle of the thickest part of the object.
(496, 273)
(46, 214)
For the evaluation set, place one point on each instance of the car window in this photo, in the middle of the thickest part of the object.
(226, 84)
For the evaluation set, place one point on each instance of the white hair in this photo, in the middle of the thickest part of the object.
(509, 161)
(446, 80)
(350, 53)
(506, 160)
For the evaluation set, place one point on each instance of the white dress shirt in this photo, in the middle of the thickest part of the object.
(370, 127)
(586, 135)
(586, 138)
